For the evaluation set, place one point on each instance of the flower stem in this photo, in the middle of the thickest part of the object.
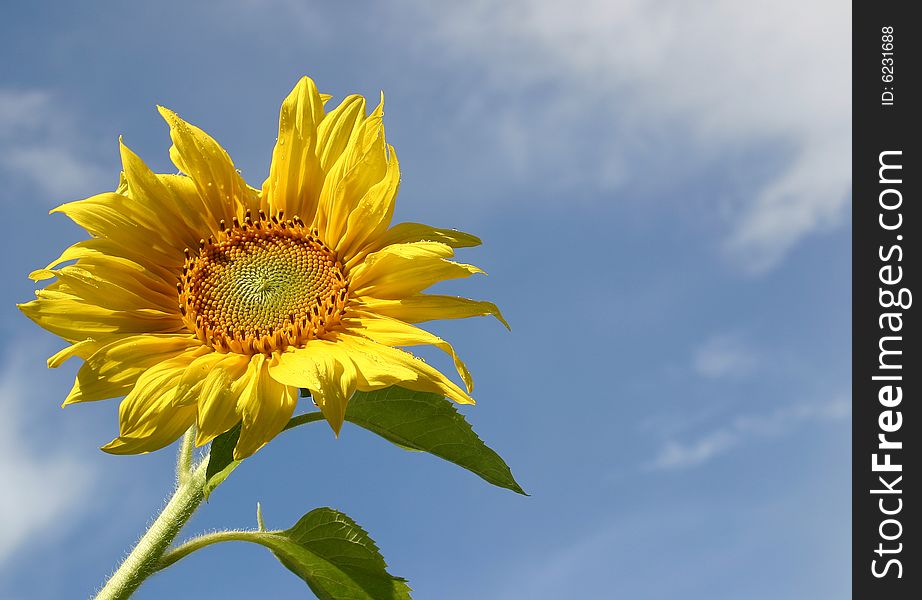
(197, 543)
(150, 554)
(143, 559)
(184, 459)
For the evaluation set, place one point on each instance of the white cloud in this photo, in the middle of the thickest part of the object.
(21, 110)
(630, 79)
(41, 485)
(722, 356)
(678, 454)
(40, 145)
(55, 171)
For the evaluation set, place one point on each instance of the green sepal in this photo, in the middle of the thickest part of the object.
(221, 461)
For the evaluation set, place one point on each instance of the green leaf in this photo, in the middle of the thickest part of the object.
(221, 459)
(429, 423)
(416, 421)
(336, 557)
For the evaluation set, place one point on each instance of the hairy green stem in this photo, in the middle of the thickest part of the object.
(150, 554)
(184, 459)
(197, 543)
(143, 559)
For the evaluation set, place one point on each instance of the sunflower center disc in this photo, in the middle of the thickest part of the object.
(261, 287)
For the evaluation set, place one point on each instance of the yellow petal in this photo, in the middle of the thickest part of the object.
(223, 191)
(166, 431)
(82, 349)
(372, 371)
(372, 215)
(362, 164)
(113, 369)
(139, 199)
(116, 218)
(122, 187)
(179, 216)
(401, 270)
(298, 367)
(265, 406)
(425, 378)
(335, 131)
(394, 333)
(333, 369)
(74, 319)
(139, 350)
(191, 205)
(337, 384)
(295, 175)
(109, 285)
(427, 307)
(323, 368)
(94, 266)
(99, 251)
(294, 366)
(403, 233)
(189, 386)
(147, 419)
(219, 394)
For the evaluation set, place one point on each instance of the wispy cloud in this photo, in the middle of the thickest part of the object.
(40, 146)
(653, 89)
(724, 355)
(41, 485)
(677, 454)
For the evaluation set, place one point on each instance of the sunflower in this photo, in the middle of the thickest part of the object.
(207, 302)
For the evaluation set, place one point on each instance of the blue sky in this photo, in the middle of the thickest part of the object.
(663, 195)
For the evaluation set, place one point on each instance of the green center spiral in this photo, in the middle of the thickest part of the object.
(257, 284)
